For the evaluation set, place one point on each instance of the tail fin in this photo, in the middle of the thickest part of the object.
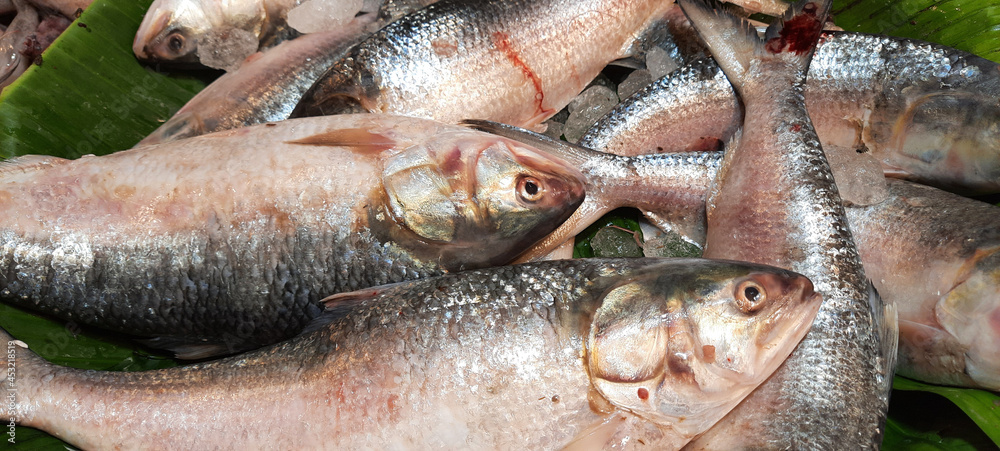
(735, 43)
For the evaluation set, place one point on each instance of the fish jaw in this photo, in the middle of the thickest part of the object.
(682, 354)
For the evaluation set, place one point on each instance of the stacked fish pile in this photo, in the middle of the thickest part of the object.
(32, 26)
(243, 233)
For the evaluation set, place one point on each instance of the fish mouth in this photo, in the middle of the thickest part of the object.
(151, 27)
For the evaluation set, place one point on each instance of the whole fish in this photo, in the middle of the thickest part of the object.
(635, 352)
(176, 30)
(227, 241)
(774, 201)
(922, 111)
(265, 88)
(517, 62)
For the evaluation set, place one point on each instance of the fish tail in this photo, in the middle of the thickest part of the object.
(25, 370)
(736, 45)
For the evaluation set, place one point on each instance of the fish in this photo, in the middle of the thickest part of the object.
(638, 352)
(174, 31)
(516, 62)
(265, 88)
(774, 201)
(227, 241)
(12, 48)
(920, 111)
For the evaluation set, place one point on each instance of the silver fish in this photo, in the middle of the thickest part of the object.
(775, 202)
(227, 241)
(517, 62)
(633, 352)
(922, 111)
(265, 87)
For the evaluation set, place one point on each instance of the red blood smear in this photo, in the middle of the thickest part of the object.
(799, 34)
(502, 43)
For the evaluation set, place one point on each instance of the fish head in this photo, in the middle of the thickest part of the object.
(171, 29)
(682, 348)
(470, 200)
(949, 139)
(970, 312)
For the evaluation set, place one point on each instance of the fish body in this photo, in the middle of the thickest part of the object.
(921, 111)
(505, 67)
(227, 241)
(526, 356)
(265, 88)
(774, 201)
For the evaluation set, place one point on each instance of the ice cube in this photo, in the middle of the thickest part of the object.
(226, 48)
(859, 176)
(586, 108)
(659, 63)
(321, 15)
(635, 81)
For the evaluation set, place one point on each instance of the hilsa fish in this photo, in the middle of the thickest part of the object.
(228, 241)
(517, 62)
(265, 88)
(635, 352)
(775, 202)
(921, 111)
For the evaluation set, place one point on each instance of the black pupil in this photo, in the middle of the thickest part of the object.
(531, 188)
(752, 294)
(176, 43)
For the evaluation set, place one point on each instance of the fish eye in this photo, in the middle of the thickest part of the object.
(175, 42)
(529, 189)
(750, 296)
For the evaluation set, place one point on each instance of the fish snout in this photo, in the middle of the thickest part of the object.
(149, 30)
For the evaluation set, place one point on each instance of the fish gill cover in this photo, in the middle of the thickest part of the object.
(90, 95)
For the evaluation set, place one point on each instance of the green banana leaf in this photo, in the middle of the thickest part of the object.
(90, 96)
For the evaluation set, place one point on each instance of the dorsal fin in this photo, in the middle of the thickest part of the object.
(358, 139)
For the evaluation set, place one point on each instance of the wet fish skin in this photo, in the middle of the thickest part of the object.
(507, 68)
(774, 201)
(264, 88)
(921, 110)
(227, 241)
(443, 361)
